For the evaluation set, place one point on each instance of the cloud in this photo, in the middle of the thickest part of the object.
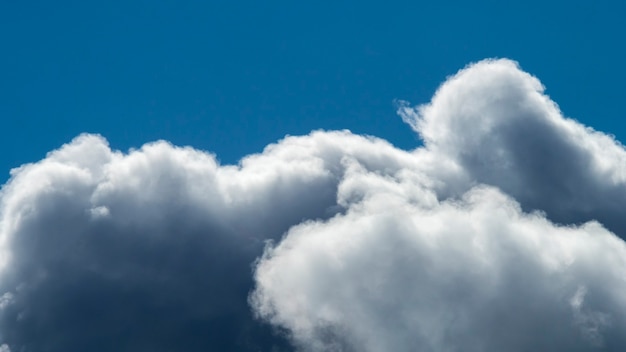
(474, 274)
(500, 233)
(494, 122)
(153, 250)
(466, 260)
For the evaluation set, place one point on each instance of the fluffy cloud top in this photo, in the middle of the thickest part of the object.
(490, 237)
(153, 250)
(494, 122)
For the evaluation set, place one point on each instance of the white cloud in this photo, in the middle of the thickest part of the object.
(375, 248)
(474, 274)
(155, 247)
(401, 271)
(494, 122)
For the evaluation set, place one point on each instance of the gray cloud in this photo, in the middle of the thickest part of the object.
(154, 249)
(492, 236)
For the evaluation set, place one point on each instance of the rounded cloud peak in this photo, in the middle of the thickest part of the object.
(494, 122)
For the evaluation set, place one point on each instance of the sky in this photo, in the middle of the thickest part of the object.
(312, 176)
(232, 77)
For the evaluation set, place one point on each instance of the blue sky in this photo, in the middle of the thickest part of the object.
(231, 77)
(507, 222)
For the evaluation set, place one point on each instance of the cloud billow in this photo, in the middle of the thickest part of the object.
(496, 124)
(154, 249)
(501, 233)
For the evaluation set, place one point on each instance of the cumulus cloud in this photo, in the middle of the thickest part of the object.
(502, 232)
(496, 125)
(467, 260)
(152, 250)
(474, 274)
